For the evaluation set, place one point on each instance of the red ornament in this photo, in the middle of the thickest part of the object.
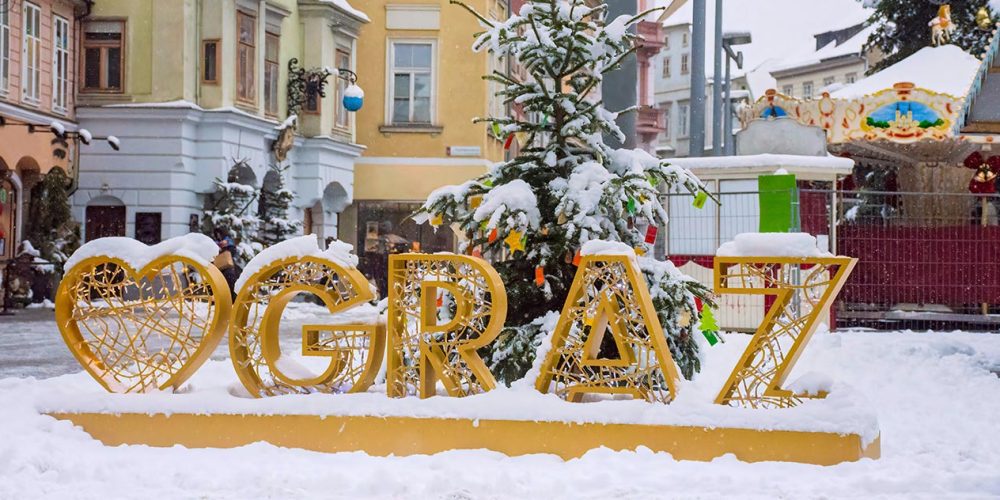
(651, 234)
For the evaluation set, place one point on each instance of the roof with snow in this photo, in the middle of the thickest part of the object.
(345, 6)
(946, 69)
(781, 30)
(852, 46)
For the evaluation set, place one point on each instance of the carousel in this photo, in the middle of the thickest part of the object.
(920, 206)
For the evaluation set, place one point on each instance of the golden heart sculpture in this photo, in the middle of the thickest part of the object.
(142, 318)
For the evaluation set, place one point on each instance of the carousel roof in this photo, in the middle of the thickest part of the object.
(946, 69)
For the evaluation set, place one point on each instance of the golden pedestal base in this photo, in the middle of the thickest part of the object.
(399, 436)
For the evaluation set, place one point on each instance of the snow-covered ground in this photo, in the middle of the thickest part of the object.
(937, 395)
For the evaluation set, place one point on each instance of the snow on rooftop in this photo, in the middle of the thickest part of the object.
(781, 29)
(343, 5)
(831, 50)
(765, 160)
(946, 69)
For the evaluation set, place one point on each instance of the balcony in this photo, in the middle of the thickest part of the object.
(650, 120)
(651, 38)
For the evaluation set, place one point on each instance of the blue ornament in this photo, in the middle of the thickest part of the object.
(354, 97)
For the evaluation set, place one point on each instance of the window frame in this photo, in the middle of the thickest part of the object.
(275, 65)
(251, 98)
(391, 81)
(684, 120)
(685, 64)
(102, 87)
(27, 84)
(665, 71)
(851, 77)
(788, 90)
(830, 80)
(5, 37)
(807, 90)
(667, 115)
(217, 54)
(60, 79)
(339, 110)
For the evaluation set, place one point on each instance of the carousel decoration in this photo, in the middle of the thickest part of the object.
(984, 181)
(609, 296)
(941, 26)
(803, 289)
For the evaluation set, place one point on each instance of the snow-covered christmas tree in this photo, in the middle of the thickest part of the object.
(52, 229)
(272, 209)
(532, 214)
(229, 210)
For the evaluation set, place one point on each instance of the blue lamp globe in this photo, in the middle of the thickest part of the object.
(354, 97)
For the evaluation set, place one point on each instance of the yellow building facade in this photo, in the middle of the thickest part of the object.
(423, 89)
(195, 87)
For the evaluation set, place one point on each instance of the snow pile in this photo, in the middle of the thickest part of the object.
(602, 247)
(195, 246)
(811, 384)
(353, 90)
(515, 198)
(934, 393)
(772, 245)
(289, 122)
(946, 69)
(301, 246)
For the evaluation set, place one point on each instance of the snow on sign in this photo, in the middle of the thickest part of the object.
(143, 319)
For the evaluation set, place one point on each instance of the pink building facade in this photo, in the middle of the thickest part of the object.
(38, 73)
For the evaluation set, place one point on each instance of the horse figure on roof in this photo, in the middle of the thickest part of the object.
(941, 26)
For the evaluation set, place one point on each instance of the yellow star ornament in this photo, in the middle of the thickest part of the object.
(515, 241)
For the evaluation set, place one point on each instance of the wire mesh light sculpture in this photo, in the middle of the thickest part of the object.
(803, 290)
(442, 308)
(355, 350)
(609, 295)
(142, 330)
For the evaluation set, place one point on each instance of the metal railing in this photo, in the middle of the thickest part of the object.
(926, 260)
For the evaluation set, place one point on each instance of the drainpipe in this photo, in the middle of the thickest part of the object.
(88, 8)
(696, 141)
(717, 83)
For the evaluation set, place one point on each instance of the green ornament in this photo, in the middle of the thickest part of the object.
(630, 206)
(3, 195)
(496, 129)
(710, 336)
(488, 183)
(652, 180)
(700, 199)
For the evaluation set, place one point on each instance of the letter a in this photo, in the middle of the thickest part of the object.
(609, 296)
(433, 337)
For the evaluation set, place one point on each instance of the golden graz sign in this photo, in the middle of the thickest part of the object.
(138, 330)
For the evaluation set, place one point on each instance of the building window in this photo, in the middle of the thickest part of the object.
(411, 83)
(851, 77)
(210, 61)
(684, 39)
(4, 50)
(271, 72)
(60, 63)
(102, 56)
(666, 42)
(312, 104)
(343, 117)
(684, 64)
(666, 67)
(246, 55)
(807, 90)
(787, 90)
(32, 53)
(666, 122)
(684, 123)
(829, 81)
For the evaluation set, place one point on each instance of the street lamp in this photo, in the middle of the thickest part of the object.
(728, 41)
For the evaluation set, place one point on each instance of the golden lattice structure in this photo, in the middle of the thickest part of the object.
(803, 290)
(442, 308)
(355, 350)
(142, 330)
(609, 295)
